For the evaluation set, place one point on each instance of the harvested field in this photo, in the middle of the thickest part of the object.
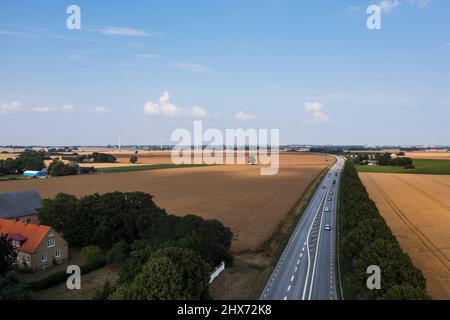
(250, 204)
(428, 155)
(417, 209)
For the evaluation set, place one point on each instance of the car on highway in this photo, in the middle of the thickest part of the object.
(327, 209)
(329, 199)
(327, 227)
(324, 187)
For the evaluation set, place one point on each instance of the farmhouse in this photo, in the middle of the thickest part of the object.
(38, 247)
(20, 205)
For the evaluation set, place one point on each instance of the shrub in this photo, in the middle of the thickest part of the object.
(61, 276)
(133, 159)
(91, 252)
(118, 253)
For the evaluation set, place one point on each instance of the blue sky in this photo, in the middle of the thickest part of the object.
(144, 68)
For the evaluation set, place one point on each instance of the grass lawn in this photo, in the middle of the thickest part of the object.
(429, 166)
(12, 177)
(89, 284)
(147, 167)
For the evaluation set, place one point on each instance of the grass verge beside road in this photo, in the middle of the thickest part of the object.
(422, 166)
(147, 167)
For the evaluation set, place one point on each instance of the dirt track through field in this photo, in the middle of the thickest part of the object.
(419, 219)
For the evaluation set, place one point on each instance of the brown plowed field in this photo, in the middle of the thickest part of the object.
(250, 204)
(417, 209)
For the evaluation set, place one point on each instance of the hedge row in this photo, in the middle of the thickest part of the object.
(365, 240)
(61, 276)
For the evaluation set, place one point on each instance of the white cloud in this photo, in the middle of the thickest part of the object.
(146, 56)
(68, 108)
(188, 66)
(242, 116)
(370, 100)
(77, 57)
(314, 110)
(129, 32)
(41, 109)
(164, 107)
(419, 4)
(11, 107)
(389, 5)
(354, 10)
(198, 113)
(100, 110)
(14, 33)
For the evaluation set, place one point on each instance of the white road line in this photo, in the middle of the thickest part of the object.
(307, 244)
(285, 298)
(315, 255)
(289, 288)
(292, 278)
(298, 262)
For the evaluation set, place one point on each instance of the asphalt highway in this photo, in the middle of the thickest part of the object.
(307, 268)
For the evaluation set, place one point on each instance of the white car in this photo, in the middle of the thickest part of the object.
(327, 227)
(327, 209)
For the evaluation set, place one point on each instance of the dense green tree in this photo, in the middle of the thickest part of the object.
(8, 254)
(113, 217)
(12, 289)
(405, 291)
(58, 168)
(366, 240)
(133, 159)
(119, 253)
(170, 274)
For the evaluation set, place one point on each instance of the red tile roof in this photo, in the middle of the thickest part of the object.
(35, 234)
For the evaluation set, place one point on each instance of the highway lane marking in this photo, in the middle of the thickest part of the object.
(301, 255)
(292, 278)
(285, 298)
(308, 237)
(295, 270)
(316, 253)
(289, 288)
(298, 262)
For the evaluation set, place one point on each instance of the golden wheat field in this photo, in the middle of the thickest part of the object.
(250, 204)
(417, 209)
